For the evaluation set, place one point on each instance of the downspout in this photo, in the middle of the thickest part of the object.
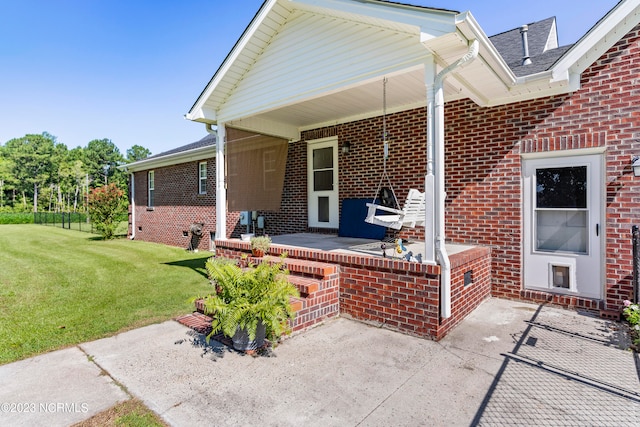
(133, 206)
(221, 194)
(438, 159)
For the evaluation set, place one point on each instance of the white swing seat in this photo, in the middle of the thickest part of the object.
(410, 215)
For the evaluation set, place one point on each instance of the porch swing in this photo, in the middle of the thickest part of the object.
(394, 216)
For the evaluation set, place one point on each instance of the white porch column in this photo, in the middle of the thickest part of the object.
(438, 162)
(221, 187)
(429, 179)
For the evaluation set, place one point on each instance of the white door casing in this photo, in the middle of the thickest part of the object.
(322, 178)
(563, 224)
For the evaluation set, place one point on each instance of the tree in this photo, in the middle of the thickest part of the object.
(137, 152)
(102, 159)
(33, 163)
(7, 181)
(106, 204)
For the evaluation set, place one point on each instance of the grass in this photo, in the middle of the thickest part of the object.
(63, 287)
(129, 413)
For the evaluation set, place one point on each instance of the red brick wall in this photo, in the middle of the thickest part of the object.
(484, 202)
(483, 168)
(465, 299)
(483, 171)
(177, 205)
(292, 217)
(392, 296)
(394, 293)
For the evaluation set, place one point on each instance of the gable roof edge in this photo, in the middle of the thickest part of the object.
(228, 62)
(200, 153)
(599, 39)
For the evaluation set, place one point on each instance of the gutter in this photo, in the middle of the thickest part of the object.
(436, 140)
(133, 207)
(170, 159)
(221, 191)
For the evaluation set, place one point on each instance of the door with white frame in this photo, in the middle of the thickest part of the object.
(322, 172)
(563, 232)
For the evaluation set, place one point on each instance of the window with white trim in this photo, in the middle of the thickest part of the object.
(151, 188)
(202, 178)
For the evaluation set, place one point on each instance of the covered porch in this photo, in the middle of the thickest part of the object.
(350, 277)
(367, 102)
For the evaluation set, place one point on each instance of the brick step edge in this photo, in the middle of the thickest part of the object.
(305, 285)
(297, 304)
(294, 265)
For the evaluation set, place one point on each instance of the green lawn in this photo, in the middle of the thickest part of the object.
(62, 287)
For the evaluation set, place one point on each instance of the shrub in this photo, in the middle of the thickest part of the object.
(631, 313)
(106, 205)
(16, 218)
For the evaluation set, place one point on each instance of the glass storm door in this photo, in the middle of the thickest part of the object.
(322, 161)
(562, 225)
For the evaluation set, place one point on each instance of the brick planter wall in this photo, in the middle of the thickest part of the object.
(465, 298)
(392, 293)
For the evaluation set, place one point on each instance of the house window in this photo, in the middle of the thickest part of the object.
(202, 177)
(151, 184)
(269, 159)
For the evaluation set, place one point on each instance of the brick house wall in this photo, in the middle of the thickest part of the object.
(483, 167)
(483, 172)
(484, 203)
(177, 205)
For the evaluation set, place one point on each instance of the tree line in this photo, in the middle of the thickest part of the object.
(38, 173)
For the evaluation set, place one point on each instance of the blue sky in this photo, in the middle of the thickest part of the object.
(128, 70)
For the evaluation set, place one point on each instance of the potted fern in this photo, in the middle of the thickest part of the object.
(249, 304)
(260, 245)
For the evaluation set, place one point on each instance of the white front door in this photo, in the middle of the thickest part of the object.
(322, 161)
(563, 225)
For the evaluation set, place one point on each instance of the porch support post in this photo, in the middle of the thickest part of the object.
(440, 195)
(221, 190)
(429, 179)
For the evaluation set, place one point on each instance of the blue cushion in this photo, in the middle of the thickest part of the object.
(352, 224)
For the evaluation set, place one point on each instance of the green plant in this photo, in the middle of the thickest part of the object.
(16, 217)
(246, 297)
(262, 243)
(631, 313)
(106, 204)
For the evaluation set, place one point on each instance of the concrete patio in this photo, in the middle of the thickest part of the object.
(508, 363)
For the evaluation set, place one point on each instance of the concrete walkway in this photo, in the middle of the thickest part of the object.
(508, 363)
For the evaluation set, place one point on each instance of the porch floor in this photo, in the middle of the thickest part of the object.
(352, 245)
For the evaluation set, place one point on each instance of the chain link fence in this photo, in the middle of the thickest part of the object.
(69, 220)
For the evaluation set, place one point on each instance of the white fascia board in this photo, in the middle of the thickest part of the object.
(231, 58)
(542, 88)
(200, 153)
(607, 32)
(470, 29)
(203, 115)
(440, 21)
